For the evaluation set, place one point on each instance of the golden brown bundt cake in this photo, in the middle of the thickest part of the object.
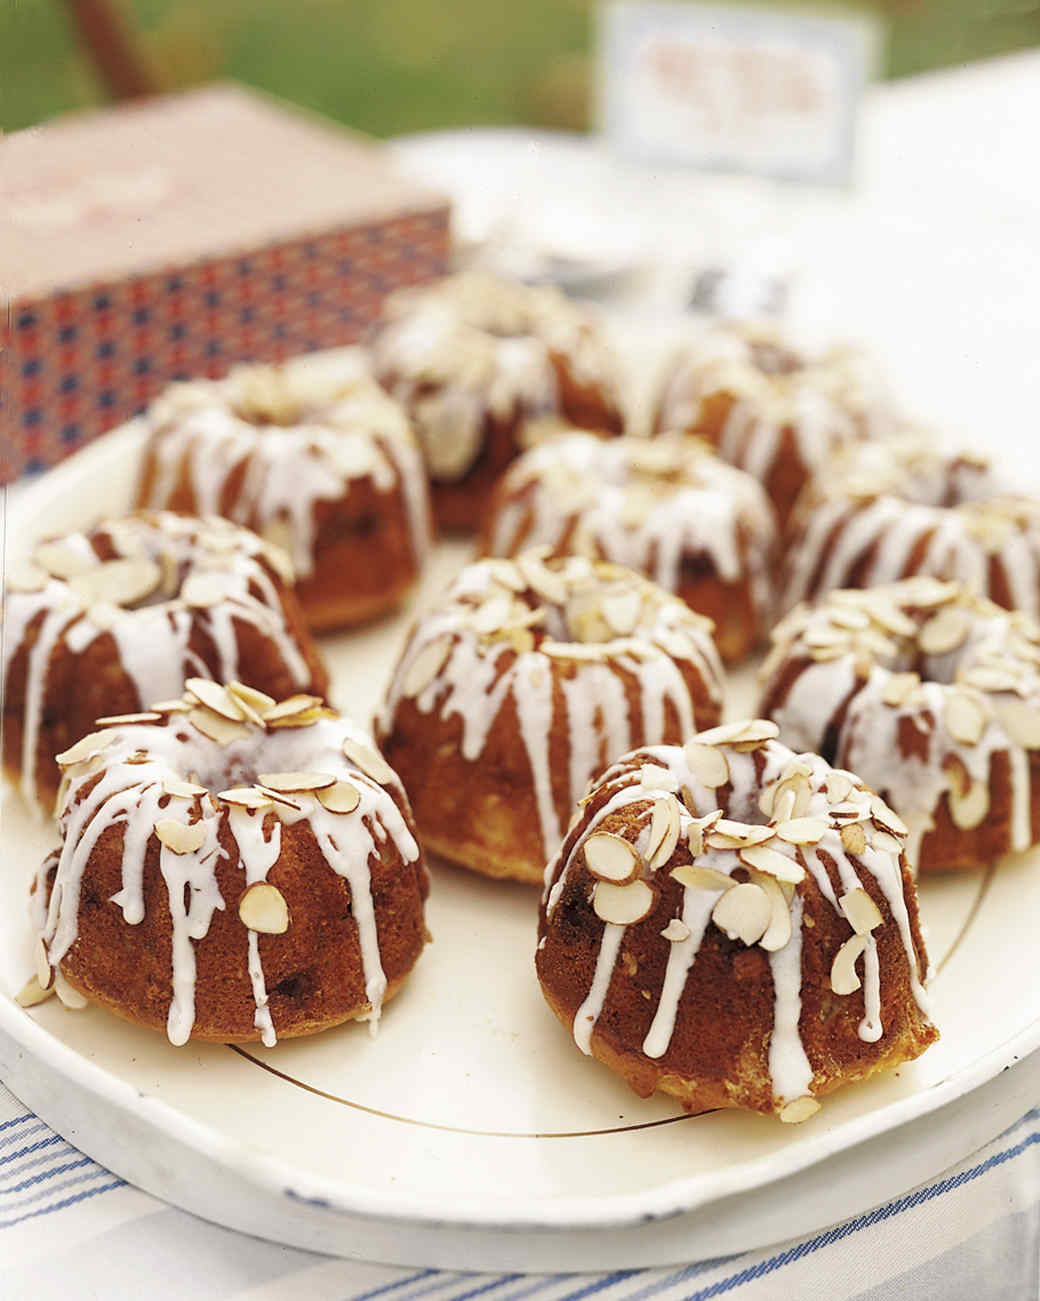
(932, 695)
(109, 620)
(734, 924)
(769, 409)
(886, 511)
(667, 508)
(231, 869)
(312, 455)
(474, 360)
(523, 682)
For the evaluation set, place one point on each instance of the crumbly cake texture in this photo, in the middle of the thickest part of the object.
(101, 622)
(930, 694)
(886, 511)
(667, 508)
(734, 924)
(476, 361)
(769, 409)
(524, 682)
(313, 456)
(231, 868)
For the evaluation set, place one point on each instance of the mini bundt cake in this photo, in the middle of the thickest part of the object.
(887, 511)
(109, 620)
(932, 695)
(475, 360)
(231, 869)
(311, 455)
(734, 924)
(667, 508)
(768, 409)
(527, 679)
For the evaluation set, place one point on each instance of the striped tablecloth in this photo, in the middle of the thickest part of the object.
(70, 1230)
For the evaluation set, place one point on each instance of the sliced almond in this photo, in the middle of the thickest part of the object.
(171, 706)
(778, 932)
(701, 878)
(967, 810)
(204, 589)
(1021, 721)
(182, 790)
(751, 730)
(737, 835)
(798, 1110)
(427, 665)
(854, 838)
(549, 585)
(291, 783)
(42, 962)
(245, 797)
(622, 905)
(277, 797)
(944, 631)
(802, 831)
(885, 842)
(506, 573)
(885, 816)
(343, 797)
(119, 582)
(989, 679)
(114, 720)
(290, 707)
(656, 778)
(707, 764)
(27, 578)
(217, 698)
(181, 837)
(899, 688)
(766, 859)
(67, 995)
(611, 858)
(965, 717)
(62, 559)
(676, 931)
(216, 727)
(254, 704)
(843, 969)
(86, 748)
(861, 912)
(369, 761)
(306, 718)
(31, 994)
(743, 913)
(621, 611)
(664, 832)
(263, 908)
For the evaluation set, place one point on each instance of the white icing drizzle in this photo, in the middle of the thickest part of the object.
(151, 639)
(128, 792)
(481, 670)
(790, 1069)
(858, 665)
(297, 442)
(645, 504)
(470, 347)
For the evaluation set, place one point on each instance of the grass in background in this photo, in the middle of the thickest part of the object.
(390, 66)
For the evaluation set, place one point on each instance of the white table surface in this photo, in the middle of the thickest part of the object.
(933, 261)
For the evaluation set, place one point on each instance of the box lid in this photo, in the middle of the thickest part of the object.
(101, 196)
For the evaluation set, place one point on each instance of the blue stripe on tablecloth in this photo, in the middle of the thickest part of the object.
(25, 1166)
(44, 1175)
(15, 1120)
(42, 1143)
(22, 1134)
(19, 1203)
(65, 1202)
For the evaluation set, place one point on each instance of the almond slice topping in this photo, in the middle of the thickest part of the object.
(32, 994)
(887, 817)
(654, 777)
(802, 831)
(181, 837)
(701, 878)
(42, 962)
(171, 706)
(861, 912)
(69, 997)
(215, 697)
(291, 706)
(254, 704)
(114, 720)
(549, 585)
(766, 859)
(751, 730)
(263, 908)
(798, 1110)
(342, 797)
(86, 748)
(622, 905)
(778, 933)
(621, 611)
(843, 969)
(426, 666)
(611, 858)
(854, 838)
(216, 727)
(965, 717)
(291, 783)
(119, 582)
(664, 832)
(369, 761)
(64, 560)
(968, 808)
(944, 631)
(182, 790)
(743, 913)
(707, 764)
(737, 835)
(200, 591)
(245, 797)
(676, 931)
(899, 687)
(27, 578)
(1020, 721)
(277, 797)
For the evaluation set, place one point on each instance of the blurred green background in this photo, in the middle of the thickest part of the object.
(389, 66)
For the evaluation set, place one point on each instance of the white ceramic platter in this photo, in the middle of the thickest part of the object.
(471, 1132)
